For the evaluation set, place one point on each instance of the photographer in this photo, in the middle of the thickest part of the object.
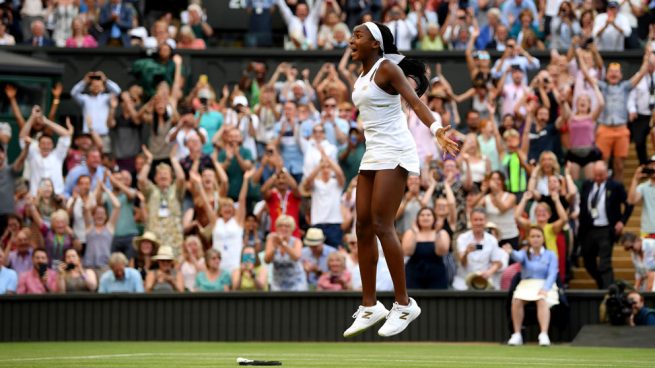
(479, 256)
(641, 316)
(40, 279)
(73, 277)
(94, 94)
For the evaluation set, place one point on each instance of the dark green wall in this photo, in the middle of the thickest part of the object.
(447, 316)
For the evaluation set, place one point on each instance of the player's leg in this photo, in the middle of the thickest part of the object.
(367, 248)
(371, 311)
(388, 191)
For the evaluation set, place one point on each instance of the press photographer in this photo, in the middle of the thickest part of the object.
(641, 316)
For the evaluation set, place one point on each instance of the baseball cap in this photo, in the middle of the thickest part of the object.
(612, 4)
(240, 100)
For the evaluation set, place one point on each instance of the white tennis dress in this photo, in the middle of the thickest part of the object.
(389, 142)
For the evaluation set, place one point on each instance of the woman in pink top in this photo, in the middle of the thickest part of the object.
(582, 130)
(424, 140)
(188, 40)
(80, 37)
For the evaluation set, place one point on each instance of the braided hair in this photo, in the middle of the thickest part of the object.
(412, 68)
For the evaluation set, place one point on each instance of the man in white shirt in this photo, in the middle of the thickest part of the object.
(315, 148)
(403, 30)
(95, 102)
(325, 183)
(478, 253)
(641, 102)
(611, 28)
(514, 55)
(45, 159)
(303, 26)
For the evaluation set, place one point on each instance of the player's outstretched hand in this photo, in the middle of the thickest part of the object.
(445, 142)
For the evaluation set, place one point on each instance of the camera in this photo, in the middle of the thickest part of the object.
(587, 42)
(648, 171)
(479, 246)
(70, 266)
(42, 269)
(95, 77)
(617, 305)
(203, 101)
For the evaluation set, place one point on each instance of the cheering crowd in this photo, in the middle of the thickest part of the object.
(179, 183)
(430, 25)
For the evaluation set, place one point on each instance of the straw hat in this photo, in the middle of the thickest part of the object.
(314, 237)
(165, 253)
(148, 235)
(475, 281)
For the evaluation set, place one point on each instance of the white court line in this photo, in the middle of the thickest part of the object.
(381, 358)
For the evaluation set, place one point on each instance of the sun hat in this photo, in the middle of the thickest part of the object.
(164, 253)
(148, 235)
(314, 237)
(240, 100)
(475, 281)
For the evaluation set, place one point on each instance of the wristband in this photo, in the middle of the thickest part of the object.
(435, 127)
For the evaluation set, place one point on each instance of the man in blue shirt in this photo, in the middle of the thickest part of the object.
(120, 279)
(92, 169)
(8, 277)
(513, 8)
(314, 255)
(641, 316)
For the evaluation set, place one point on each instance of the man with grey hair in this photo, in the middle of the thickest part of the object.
(120, 278)
(39, 37)
(604, 211)
(478, 256)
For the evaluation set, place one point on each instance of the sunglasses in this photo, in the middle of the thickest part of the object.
(330, 105)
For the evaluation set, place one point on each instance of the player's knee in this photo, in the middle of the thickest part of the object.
(364, 230)
(382, 229)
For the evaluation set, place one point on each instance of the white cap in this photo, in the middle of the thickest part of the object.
(5, 128)
(205, 93)
(240, 100)
(138, 32)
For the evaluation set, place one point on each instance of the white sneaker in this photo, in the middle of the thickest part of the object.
(366, 317)
(516, 340)
(544, 340)
(399, 318)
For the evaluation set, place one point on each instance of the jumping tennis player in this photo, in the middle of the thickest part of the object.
(390, 157)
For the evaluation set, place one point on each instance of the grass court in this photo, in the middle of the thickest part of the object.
(346, 354)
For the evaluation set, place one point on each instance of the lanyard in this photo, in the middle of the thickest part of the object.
(283, 202)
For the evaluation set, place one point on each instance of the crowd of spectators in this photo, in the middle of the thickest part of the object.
(177, 183)
(430, 25)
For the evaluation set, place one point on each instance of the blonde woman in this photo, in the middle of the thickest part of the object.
(338, 278)
(226, 227)
(80, 38)
(188, 40)
(58, 238)
(546, 167)
(473, 164)
(283, 253)
(191, 262)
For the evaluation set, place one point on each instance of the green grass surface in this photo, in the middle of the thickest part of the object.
(183, 354)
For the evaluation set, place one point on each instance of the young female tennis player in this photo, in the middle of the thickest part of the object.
(390, 157)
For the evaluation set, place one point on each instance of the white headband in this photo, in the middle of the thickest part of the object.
(375, 32)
